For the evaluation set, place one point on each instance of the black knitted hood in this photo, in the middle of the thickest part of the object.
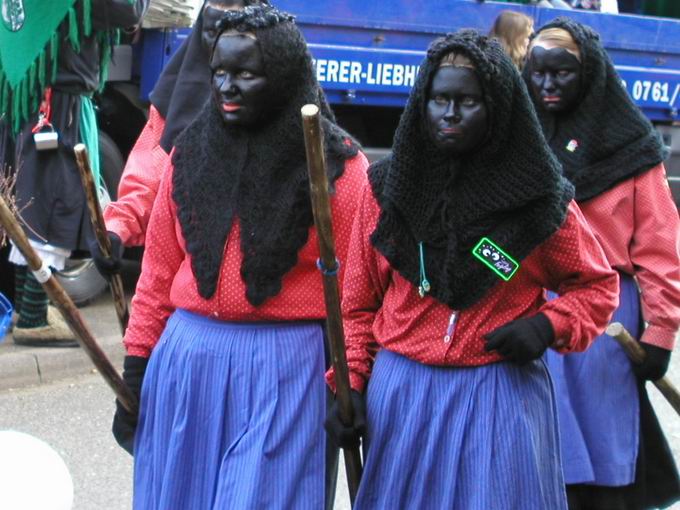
(509, 190)
(182, 87)
(256, 175)
(613, 139)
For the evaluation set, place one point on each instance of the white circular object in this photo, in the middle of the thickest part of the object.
(43, 274)
(32, 475)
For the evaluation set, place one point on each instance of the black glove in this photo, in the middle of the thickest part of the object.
(108, 266)
(522, 340)
(124, 422)
(655, 365)
(342, 435)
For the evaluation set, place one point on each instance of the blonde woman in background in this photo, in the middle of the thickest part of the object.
(512, 29)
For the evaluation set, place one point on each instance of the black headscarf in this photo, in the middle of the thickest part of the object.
(509, 190)
(256, 175)
(614, 140)
(184, 84)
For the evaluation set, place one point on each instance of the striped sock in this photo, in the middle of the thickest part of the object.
(33, 304)
(19, 282)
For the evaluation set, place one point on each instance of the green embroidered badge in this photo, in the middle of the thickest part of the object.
(495, 258)
(13, 14)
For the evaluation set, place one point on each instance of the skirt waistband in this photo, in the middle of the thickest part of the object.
(188, 316)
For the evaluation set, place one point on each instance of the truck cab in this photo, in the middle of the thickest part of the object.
(367, 56)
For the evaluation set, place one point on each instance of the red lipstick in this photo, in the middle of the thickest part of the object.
(230, 107)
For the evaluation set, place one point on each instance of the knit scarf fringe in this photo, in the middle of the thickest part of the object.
(18, 104)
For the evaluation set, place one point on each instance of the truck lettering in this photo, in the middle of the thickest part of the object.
(344, 71)
(333, 67)
(320, 65)
(369, 73)
(398, 76)
(355, 73)
(647, 90)
(411, 73)
(387, 74)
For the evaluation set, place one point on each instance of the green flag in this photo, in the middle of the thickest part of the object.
(24, 36)
(29, 48)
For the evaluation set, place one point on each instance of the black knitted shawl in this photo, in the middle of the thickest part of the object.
(257, 175)
(615, 140)
(509, 190)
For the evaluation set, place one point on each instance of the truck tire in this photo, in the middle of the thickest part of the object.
(80, 278)
(111, 162)
(81, 281)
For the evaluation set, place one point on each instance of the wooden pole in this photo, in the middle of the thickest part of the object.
(318, 182)
(67, 308)
(99, 228)
(637, 355)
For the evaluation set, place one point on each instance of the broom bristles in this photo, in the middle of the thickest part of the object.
(8, 180)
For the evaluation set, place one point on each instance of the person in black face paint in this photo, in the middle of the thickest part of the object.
(238, 81)
(555, 77)
(225, 337)
(615, 454)
(456, 112)
(443, 351)
(177, 98)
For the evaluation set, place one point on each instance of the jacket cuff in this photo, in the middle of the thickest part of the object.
(138, 350)
(562, 328)
(117, 227)
(660, 337)
(356, 382)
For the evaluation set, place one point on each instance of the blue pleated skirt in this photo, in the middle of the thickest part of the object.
(232, 417)
(598, 403)
(476, 438)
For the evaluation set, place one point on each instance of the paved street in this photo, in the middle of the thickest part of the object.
(74, 417)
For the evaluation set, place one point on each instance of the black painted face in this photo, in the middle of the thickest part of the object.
(456, 111)
(239, 83)
(555, 78)
(212, 12)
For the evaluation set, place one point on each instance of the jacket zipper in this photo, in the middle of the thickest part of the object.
(451, 329)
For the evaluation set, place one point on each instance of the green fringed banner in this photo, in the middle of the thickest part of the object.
(29, 49)
(21, 44)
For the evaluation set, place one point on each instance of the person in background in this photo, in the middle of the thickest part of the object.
(457, 234)
(615, 455)
(586, 5)
(609, 6)
(61, 71)
(513, 30)
(225, 340)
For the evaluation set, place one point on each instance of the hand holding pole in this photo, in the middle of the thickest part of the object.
(637, 355)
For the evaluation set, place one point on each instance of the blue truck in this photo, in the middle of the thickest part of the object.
(367, 55)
